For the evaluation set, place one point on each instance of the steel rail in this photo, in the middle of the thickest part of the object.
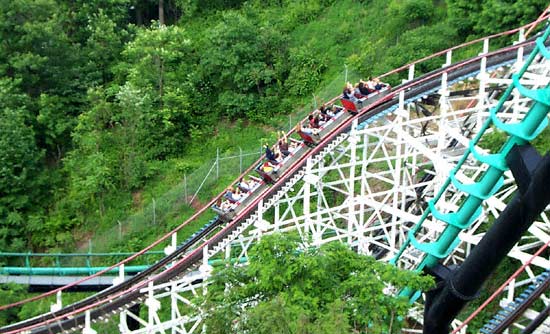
(500, 289)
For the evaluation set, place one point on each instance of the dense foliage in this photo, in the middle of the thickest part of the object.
(330, 289)
(94, 94)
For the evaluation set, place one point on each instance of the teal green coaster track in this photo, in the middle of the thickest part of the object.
(492, 179)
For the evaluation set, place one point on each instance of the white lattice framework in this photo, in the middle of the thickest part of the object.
(367, 188)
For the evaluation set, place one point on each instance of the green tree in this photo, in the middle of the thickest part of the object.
(243, 64)
(20, 160)
(109, 152)
(499, 15)
(91, 166)
(460, 15)
(37, 50)
(292, 290)
(480, 18)
(104, 44)
(193, 8)
(158, 63)
(82, 14)
(55, 124)
(10, 293)
(416, 44)
(306, 68)
(132, 130)
(407, 15)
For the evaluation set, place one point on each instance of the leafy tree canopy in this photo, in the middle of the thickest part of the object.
(20, 161)
(287, 288)
(479, 18)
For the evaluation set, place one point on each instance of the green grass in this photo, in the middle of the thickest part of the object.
(167, 190)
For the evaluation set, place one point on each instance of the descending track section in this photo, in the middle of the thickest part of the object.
(508, 314)
(510, 283)
(365, 183)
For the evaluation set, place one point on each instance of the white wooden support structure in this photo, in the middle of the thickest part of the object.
(448, 58)
(58, 302)
(87, 325)
(483, 76)
(411, 72)
(173, 245)
(366, 188)
(519, 59)
(121, 274)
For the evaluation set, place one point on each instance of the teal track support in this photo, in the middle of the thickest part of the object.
(491, 181)
(75, 271)
(59, 270)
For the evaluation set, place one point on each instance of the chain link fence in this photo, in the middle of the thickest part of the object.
(165, 211)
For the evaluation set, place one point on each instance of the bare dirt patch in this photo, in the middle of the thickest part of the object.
(195, 203)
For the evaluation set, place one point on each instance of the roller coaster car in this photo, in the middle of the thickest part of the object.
(228, 197)
(267, 177)
(223, 215)
(308, 139)
(349, 106)
(373, 97)
(243, 189)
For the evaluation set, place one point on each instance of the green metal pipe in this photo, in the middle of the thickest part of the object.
(9, 254)
(465, 212)
(71, 271)
(53, 271)
(531, 122)
(219, 262)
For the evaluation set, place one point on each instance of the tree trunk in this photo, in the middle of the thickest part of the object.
(161, 12)
(139, 15)
(161, 81)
